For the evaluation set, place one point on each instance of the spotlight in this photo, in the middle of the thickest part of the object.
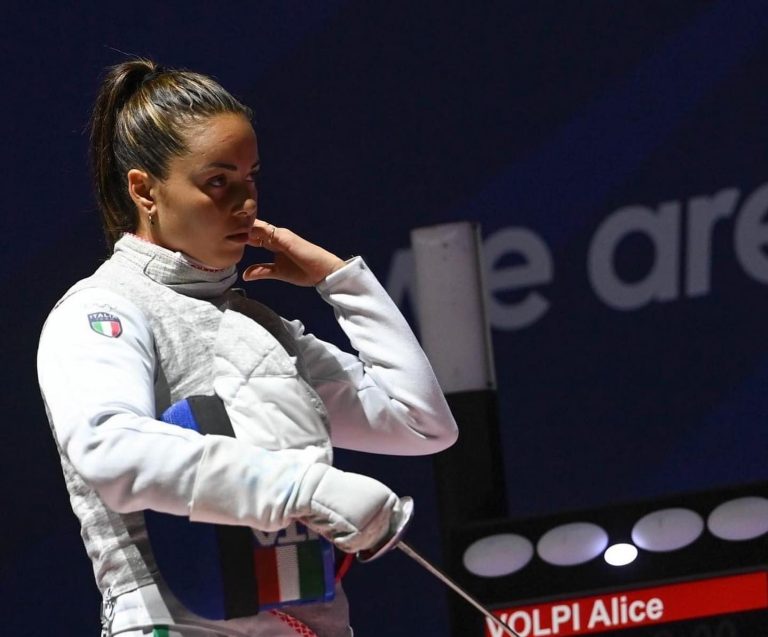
(620, 554)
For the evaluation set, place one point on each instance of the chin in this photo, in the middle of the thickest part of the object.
(220, 260)
(228, 258)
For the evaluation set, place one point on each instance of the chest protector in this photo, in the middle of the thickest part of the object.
(225, 365)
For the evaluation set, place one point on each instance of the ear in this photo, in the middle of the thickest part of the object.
(140, 185)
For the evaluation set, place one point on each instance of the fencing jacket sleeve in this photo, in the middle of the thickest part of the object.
(387, 399)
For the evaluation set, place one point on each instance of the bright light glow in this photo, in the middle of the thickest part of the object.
(498, 555)
(620, 554)
(571, 544)
(667, 529)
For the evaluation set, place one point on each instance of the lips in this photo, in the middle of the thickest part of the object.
(240, 237)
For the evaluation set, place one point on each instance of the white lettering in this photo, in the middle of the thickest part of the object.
(265, 538)
(561, 614)
(536, 269)
(291, 535)
(288, 535)
(655, 608)
(661, 282)
(599, 614)
(494, 628)
(516, 619)
(538, 631)
(518, 262)
(751, 235)
(637, 611)
(623, 602)
(703, 213)
(605, 612)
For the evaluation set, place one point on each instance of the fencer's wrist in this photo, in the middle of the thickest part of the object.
(351, 510)
(335, 264)
(351, 268)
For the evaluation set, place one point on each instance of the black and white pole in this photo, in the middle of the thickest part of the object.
(455, 333)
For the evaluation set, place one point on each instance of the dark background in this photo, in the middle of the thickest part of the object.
(377, 117)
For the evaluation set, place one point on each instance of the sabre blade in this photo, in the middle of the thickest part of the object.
(405, 548)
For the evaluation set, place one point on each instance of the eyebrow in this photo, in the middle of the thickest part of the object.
(220, 164)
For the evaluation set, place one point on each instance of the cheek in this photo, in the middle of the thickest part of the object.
(193, 210)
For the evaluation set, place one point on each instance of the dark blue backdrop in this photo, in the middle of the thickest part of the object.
(562, 119)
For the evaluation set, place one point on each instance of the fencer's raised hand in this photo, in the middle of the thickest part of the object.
(296, 260)
(353, 511)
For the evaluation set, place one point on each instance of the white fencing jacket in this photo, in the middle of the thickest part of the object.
(151, 327)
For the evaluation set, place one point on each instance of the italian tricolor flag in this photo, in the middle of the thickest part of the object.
(108, 328)
(293, 573)
(106, 324)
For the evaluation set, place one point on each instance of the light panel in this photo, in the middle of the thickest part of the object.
(497, 555)
(667, 529)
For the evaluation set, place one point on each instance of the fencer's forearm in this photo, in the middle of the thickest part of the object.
(387, 399)
(137, 463)
(352, 510)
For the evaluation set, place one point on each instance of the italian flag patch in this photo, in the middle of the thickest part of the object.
(294, 573)
(105, 324)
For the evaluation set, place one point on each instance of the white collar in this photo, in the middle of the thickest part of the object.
(174, 269)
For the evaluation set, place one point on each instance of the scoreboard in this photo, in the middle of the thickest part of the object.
(692, 565)
(646, 608)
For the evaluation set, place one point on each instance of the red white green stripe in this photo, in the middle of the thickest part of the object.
(289, 573)
(108, 328)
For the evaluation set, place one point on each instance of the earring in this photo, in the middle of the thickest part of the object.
(151, 219)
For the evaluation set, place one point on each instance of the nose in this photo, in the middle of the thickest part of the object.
(247, 209)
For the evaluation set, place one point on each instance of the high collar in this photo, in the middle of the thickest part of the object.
(173, 269)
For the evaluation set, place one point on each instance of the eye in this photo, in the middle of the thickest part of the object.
(255, 177)
(218, 181)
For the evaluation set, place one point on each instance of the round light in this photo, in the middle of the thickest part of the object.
(740, 519)
(572, 544)
(620, 554)
(498, 555)
(667, 529)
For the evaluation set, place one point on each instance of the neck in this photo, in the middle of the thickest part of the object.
(174, 269)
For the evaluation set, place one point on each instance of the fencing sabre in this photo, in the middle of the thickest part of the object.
(396, 542)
